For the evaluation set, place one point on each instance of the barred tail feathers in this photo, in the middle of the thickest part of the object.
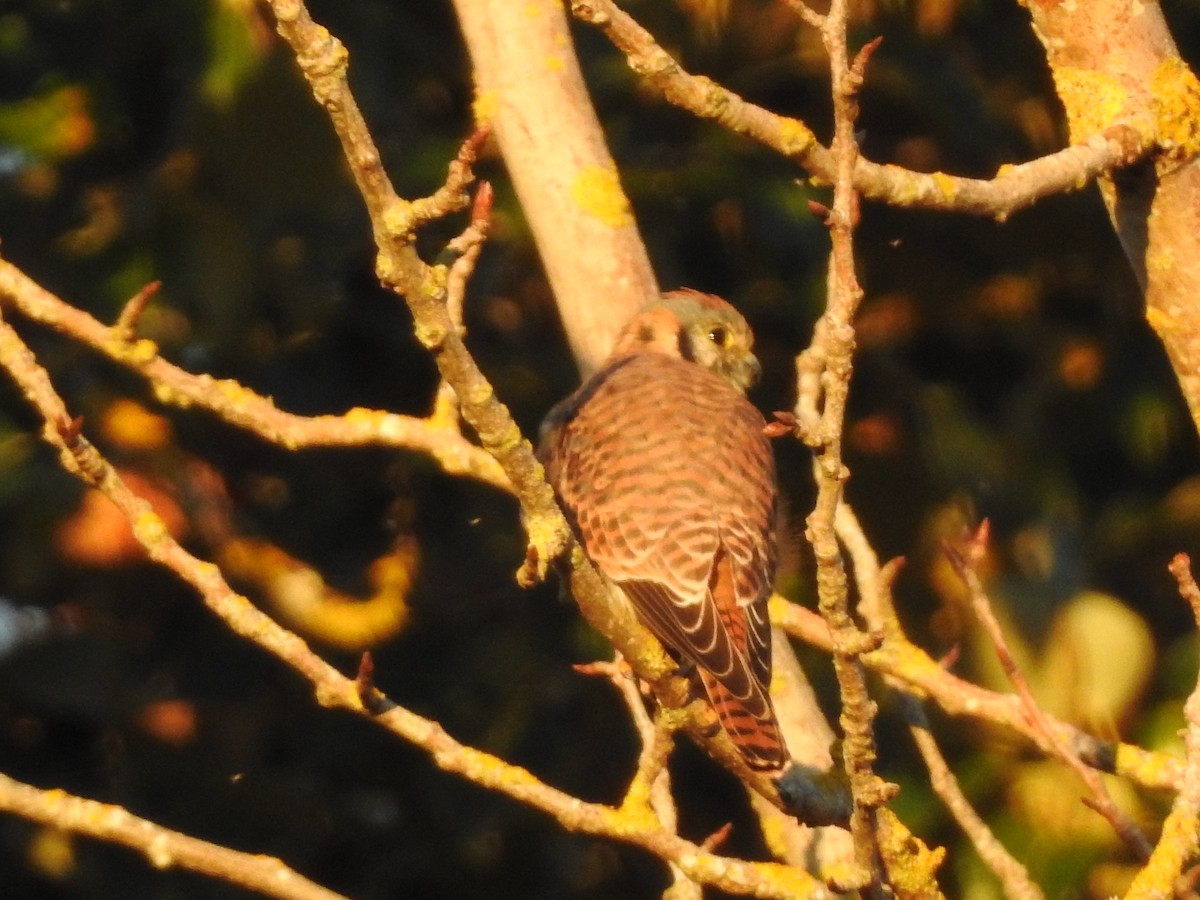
(756, 737)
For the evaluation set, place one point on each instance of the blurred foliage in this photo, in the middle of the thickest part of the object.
(1004, 372)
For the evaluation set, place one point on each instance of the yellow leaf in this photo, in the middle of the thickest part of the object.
(52, 853)
(131, 426)
(1096, 662)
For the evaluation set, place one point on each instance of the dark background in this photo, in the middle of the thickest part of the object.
(1005, 371)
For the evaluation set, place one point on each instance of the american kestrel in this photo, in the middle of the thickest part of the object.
(668, 479)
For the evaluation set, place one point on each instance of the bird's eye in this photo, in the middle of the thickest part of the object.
(719, 336)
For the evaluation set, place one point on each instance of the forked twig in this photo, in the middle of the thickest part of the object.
(466, 249)
(966, 564)
(651, 783)
(1165, 873)
(824, 370)
(1013, 876)
(1013, 188)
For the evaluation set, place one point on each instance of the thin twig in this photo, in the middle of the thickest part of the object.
(820, 426)
(1014, 879)
(865, 564)
(807, 13)
(162, 847)
(466, 248)
(652, 782)
(912, 669)
(965, 564)
(1014, 187)
(241, 406)
(125, 328)
(1165, 873)
(364, 683)
(454, 195)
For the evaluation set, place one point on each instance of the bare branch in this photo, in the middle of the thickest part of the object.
(866, 565)
(1112, 68)
(125, 328)
(1013, 188)
(435, 295)
(912, 669)
(820, 426)
(1014, 878)
(453, 196)
(1179, 843)
(965, 564)
(162, 847)
(467, 246)
(531, 93)
(651, 783)
(241, 406)
(807, 13)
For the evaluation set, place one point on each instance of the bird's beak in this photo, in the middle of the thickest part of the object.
(749, 371)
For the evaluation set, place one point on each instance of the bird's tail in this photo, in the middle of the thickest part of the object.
(756, 736)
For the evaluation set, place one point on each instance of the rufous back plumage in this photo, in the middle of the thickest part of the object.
(664, 470)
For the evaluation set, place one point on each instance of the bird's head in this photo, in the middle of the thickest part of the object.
(700, 328)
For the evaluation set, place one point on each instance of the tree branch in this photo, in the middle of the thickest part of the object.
(965, 564)
(531, 93)
(241, 406)
(1014, 187)
(1114, 68)
(162, 847)
(1179, 842)
(324, 61)
(587, 191)
(1013, 876)
(651, 783)
(912, 669)
(820, 419)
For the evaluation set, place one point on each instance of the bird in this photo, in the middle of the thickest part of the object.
(666, 475)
